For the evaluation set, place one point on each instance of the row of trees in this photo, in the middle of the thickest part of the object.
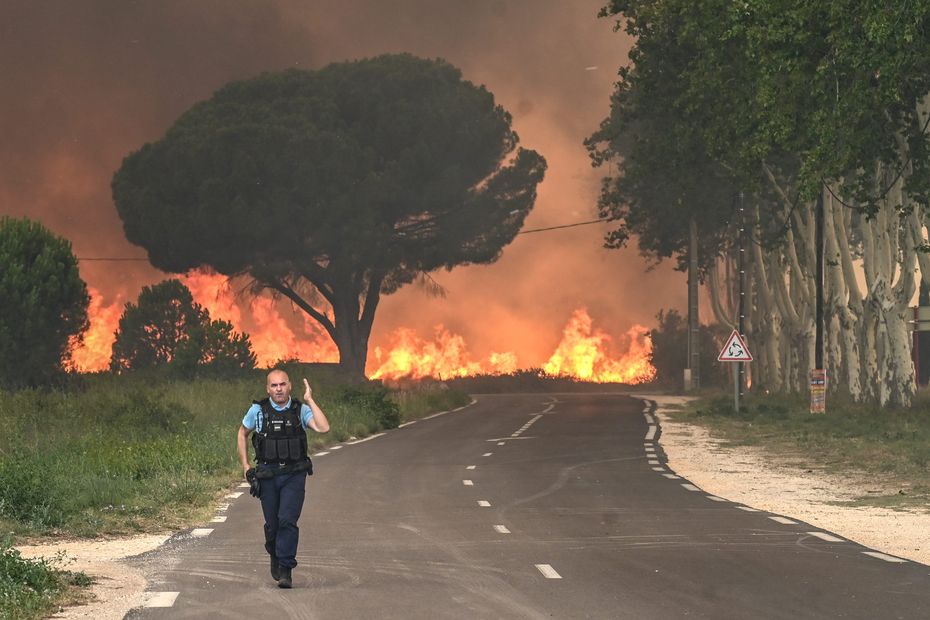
(742, 115)
(43, 317)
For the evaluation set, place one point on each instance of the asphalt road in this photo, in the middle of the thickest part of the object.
(525, 506)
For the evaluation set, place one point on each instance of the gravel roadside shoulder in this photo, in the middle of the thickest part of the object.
(756, 478)
(118, 586)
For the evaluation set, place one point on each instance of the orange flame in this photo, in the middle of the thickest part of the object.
(271, 334)
(413, 358)
(583, 354)
(94, 353)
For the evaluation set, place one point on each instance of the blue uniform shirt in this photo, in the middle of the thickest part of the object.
(253, 417)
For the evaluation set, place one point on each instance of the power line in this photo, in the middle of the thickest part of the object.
(112, 259)
(534, 230)
(522, 232)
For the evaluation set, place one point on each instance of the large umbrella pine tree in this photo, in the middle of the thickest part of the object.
(333, 187)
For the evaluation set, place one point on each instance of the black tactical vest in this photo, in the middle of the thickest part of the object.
(280, 438)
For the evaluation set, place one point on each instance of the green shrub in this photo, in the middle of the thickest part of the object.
(30, 588)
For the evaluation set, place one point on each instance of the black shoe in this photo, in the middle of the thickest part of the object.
(285, 580)
(275, 568)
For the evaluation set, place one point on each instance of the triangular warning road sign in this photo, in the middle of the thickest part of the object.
(735, 350)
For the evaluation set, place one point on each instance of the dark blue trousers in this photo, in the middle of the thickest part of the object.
(282, 501)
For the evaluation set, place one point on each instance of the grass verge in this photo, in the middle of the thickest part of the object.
(31, 589)
(890, 447)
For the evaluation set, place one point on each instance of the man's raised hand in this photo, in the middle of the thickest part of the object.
(308, 393)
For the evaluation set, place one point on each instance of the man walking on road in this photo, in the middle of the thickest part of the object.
(282, 464)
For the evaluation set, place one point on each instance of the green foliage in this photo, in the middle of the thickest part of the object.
(333, 187)
(30, 588)
(529, 380)
(670, 351)
(375, 399)
(43, 303)
(814, 91)
(167, 328)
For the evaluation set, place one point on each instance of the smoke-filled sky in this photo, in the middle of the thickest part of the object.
(82, 84)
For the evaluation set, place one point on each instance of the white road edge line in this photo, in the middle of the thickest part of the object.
(884, 556)
(652, 433)
(783, 520)
(548, 572)
(160, 599)
(501, 529)
(340, 447)
(407, 423)
(747, 509)
(352, 443)
(468, 483)
(218, 519)
(487, 454)
(714, 498)
(690, 487)
(470, 467)
(244, 485)
(320, 453)
(653, 462)
(825, 536)
(672, 476)
(201, 532)
(484, 503)
(234, 495)
(658, 469)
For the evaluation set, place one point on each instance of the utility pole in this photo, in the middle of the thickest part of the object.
(693, 371)
(741, 279)
(818, 373)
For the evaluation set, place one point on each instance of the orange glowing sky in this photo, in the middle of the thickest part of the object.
(86, 83)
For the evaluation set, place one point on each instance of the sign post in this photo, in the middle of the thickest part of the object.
(735, 350)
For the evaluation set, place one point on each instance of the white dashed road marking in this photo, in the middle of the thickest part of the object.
(884, 556)
(222, 507)
(501, 443)
(653, 462)
(501, 529)
(234, 495)
(548, 572)
(783, 520)
(470, 467)
(218, 519)
(468, 483)
(352, 443)
(244, 485)
(487, 454)
(652, 433)
(826, 537)
(716, 499)
(321, 454)
(747, 509)
(690, 487)
(340, 447)
(160, 599)
(484, 503)
(658, 469)
(200, 532)
(671, 476)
